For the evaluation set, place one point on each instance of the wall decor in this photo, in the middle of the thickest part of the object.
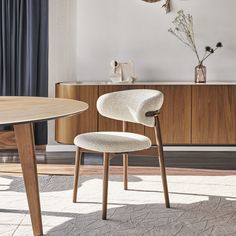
(122, 72)
(183, 30)
(166, 5)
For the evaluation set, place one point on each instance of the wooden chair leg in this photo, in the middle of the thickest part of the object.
(125, 160)
(125, 170)
(161, 161)
(106, 160)
(76, 173)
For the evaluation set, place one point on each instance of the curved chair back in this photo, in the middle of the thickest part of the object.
(131, 105)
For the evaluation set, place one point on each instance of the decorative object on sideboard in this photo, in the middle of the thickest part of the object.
(200, 73)
(183, 30)
(122, 72)
(166, 5)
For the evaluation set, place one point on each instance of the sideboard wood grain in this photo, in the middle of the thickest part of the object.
(214, 114)
(7, 140)
(67, 128)
(175, 116)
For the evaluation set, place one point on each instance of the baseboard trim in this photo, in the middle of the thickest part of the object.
(72, 148)
(60, 148)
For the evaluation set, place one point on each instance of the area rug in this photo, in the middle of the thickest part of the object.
(200, 205)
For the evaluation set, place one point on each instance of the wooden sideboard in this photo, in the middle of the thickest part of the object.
(192, 114)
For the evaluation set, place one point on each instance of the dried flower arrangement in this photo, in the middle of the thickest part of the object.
(166, 5)
(183, 30)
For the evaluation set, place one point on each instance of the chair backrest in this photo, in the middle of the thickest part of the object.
(131, 105)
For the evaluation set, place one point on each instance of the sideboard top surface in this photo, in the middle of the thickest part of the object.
(147, 83)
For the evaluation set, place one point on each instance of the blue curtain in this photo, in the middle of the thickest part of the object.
(24, 52)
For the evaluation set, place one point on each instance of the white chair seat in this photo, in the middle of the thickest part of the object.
(112, 142)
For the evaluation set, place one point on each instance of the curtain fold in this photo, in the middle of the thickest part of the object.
(24, 52)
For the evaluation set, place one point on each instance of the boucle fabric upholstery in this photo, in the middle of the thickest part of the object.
(112, 142)
(131, 105)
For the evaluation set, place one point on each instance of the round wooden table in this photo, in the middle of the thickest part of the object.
(21, 112)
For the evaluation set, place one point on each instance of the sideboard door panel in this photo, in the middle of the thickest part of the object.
(175, 117)
(7, 140)
(68, 128)
(106, 124)
(214, 114)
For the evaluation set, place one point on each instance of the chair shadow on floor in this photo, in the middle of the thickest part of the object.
(209, 215)
(216, 216)
(47, 184)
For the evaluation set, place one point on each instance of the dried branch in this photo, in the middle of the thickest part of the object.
(183, 30)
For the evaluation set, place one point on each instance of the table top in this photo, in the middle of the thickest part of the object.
(19, 109)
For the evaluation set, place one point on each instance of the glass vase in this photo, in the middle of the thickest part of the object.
(200, 74)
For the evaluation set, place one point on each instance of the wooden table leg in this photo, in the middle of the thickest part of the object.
(26, 148)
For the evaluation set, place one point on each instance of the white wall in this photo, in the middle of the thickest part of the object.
(62, 47)
(133, 29)
(62, 41)
(85, 35)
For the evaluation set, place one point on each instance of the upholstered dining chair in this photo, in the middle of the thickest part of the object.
(138, 106)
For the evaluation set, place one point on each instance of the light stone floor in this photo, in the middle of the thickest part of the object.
(200, 205)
